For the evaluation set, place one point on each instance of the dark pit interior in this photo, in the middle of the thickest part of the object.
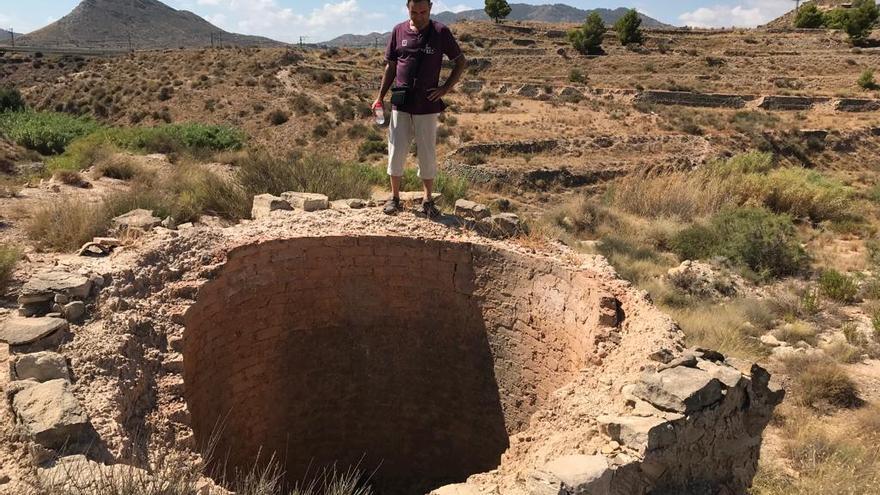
(413, 359)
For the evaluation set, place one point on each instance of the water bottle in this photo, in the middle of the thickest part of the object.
(379, 112)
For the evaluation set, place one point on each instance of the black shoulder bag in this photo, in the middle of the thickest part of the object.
(401, 95)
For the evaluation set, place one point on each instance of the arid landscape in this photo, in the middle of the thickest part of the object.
(199, 292)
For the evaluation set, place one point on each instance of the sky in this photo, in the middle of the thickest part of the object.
(321, 20)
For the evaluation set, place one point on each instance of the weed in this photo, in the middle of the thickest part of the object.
(9, 256)
(821, 383)
(45, 132)
(838, 287)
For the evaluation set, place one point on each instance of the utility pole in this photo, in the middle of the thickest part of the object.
(301, 38)
(12, 36)
(130, 47)
(797, 6)
(212, 40)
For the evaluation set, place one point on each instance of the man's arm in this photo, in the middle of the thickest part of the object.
(387, 81)
(460, 65)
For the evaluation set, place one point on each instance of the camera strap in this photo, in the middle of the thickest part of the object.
(420, 54)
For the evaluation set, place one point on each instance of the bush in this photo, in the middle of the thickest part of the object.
(809, 16)
(753, 237)
(10, 100)
(67, 224)
(819, 383)
(278, 117)
(577, 76)
(795, 332)
(866, 81)
(119, 167)
(627, 28)
(838, 287)
(588, 38)
(373, 145)
(836, 18)
(260, 173)
(9, 256)
(190, 137)
(46, 132)
(860, 19)
(196, 191)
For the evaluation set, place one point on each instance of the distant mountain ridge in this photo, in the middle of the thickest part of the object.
(557, 12)
(518, 12)
(139, 24)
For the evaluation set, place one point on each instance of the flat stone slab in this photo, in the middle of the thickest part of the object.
(573, 475)
(40, 366)
(470, 209)
(137, 219)
(43, 286)
(51, 413)
(306, 201)
(266, 203)
(683, 390)
(638, 433)
(17, 331)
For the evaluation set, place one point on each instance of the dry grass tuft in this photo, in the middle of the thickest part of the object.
(821, 384)
(9, 256)
(66, 224)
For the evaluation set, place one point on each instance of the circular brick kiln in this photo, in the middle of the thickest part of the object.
(414, 358)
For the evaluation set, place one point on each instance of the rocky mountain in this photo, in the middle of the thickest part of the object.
(4, 36)
(548, 13)
(139, 24)
(519, 12)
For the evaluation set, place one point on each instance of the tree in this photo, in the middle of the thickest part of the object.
(627, 28)
(809, 17)
(587, 39)
(861, 19)
(497, 9)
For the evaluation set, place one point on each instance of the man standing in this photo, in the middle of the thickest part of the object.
(413, 60)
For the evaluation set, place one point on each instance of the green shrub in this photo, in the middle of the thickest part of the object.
(627, 28)
(9, 256)
(373, 145)
(838, 287)
(866, 80)
(809, 16)
(577, 76)
(836, 18)
(860, 19)
(46, 132)
(753, 237)
(83, 153)
(190, 137)
(10, 100)
(803, 193)
(587, 39)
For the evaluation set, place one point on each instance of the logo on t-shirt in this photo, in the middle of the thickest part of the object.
(429, 50)
(403, 42)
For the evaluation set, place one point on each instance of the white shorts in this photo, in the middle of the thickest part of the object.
(400, 133)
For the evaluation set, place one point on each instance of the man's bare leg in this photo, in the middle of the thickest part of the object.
(395, 186)
(429, 187)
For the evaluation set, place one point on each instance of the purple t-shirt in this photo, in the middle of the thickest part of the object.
(402, 48)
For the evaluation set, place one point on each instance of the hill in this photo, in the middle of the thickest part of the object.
(139, 24)
(556, 13)
(548, 13)
(787, 20)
